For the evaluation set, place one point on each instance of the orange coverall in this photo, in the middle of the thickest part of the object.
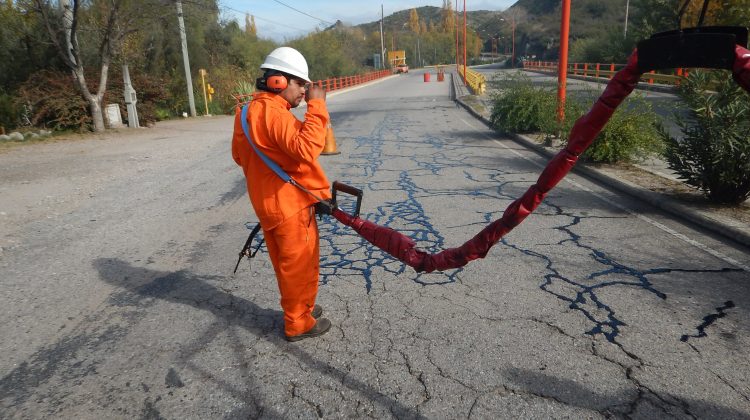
(285, 212)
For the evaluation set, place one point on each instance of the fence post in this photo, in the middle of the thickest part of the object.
(597, 70)
(651, 80)
(612, 70)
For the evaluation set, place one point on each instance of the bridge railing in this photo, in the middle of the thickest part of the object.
(475, 80)
(606, 71)
(333, 83)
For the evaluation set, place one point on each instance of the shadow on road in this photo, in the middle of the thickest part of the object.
(642, 403)
(187, 288)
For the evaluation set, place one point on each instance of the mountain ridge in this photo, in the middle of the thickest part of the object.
(537, 23)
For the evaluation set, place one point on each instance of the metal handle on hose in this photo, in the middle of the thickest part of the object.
(348, 189)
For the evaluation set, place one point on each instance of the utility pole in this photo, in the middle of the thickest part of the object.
(513, 26)
(382, 47)
(464, 42)
(419, 54)
(186, 59)
(562, 71)
(627, 7)
(456, 25)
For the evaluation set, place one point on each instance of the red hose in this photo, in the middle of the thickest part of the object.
(741, 68)
(581, 136)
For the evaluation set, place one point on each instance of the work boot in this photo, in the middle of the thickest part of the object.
(317, 311)
(321, 327)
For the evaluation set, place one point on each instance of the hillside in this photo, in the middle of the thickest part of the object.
(397, 20)
(537, 23)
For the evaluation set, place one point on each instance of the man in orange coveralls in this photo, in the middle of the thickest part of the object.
(286, 213)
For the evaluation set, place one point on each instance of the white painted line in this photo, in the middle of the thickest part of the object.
(693, 242)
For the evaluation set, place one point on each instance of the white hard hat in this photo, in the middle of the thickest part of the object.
(287, 60)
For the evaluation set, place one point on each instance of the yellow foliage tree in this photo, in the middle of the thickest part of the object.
(414, 21)
(449, 17)
(694, 10)
(250, 27)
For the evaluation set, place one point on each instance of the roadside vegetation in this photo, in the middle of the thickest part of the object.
(713, 153)
(631, 134)
(710, 150)
(46, 82)
(36, 61)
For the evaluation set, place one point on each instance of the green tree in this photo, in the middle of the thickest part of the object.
(23, 51)
(735, 12)
(88, 32)
(23, 46)
(653, 16)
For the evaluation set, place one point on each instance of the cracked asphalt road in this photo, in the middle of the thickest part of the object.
(118, 299)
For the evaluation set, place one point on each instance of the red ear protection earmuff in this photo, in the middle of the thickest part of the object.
(276, 83)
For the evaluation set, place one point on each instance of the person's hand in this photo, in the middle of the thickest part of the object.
(314, 92)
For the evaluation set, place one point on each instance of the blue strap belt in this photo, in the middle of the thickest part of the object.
(270, 163)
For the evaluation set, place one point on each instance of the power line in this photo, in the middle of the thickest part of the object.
(306, 14)
(264, 19)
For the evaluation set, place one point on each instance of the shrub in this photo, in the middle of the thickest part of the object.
(520, 107)
(162, 114)
(552, 128)
(630, 135)
(57, 104)
(225, 80)
(714, 153)
(54, 101)
(149, 90)
(8, 112)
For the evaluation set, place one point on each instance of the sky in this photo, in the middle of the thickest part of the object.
(276, 21)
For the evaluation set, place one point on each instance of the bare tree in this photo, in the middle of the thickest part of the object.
(108, 27)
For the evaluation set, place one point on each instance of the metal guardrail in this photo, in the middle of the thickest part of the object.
(474, 80)
(334, 83)
(599, 70)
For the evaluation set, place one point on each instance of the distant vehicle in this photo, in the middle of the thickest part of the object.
(402, 68)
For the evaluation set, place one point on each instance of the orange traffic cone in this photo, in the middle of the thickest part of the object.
(330, 146)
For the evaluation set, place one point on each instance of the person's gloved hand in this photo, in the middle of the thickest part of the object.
(314, 92)
(324, 207)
